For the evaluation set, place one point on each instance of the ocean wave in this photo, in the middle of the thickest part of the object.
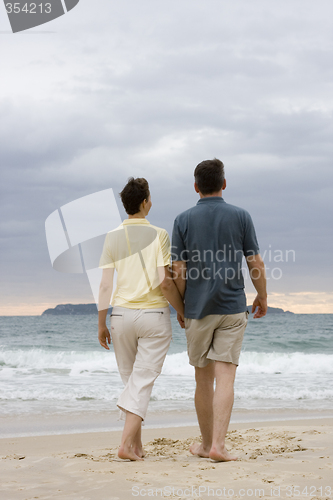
(285, 363)
(59, 362)
(260, 362)
(282, 393)
(61, 393)
(84, 363)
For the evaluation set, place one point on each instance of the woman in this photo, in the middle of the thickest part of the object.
(140, 321)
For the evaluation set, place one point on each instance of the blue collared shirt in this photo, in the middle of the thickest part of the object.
(212, 237)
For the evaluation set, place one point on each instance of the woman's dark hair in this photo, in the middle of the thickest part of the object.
(209, 176)
(134, 193)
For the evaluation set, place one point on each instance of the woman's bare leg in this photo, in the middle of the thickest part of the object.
(138, 450)
(129, 440)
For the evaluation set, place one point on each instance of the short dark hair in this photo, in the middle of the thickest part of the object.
(209, 176)
(134, 193)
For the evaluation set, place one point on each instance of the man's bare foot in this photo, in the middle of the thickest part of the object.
(221, 454)
(128, 453)
(198, 449)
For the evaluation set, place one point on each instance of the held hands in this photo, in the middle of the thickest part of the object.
(261, 304)
(181, 320)
(104, 337)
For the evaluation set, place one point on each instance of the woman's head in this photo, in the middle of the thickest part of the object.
(134, 193)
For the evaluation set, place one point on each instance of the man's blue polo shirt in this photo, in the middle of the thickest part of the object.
(212, 237)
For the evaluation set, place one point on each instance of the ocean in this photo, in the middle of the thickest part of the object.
(54, 365)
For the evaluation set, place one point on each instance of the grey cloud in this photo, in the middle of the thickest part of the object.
(152, 89)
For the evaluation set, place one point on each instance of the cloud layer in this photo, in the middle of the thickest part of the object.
(151, 89)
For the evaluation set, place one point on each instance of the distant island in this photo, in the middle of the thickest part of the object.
(83, 309)
(72, 310)
(274, 310)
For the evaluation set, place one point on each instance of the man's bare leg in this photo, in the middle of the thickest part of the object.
(222, 407)
(204, 394)
(128, 446)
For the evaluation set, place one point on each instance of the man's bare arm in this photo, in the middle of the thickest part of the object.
(105, 292)
(258, 276)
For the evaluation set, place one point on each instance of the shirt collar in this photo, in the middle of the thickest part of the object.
(135, 221)
(209, 199)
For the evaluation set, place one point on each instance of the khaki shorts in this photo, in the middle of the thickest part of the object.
(215, 338)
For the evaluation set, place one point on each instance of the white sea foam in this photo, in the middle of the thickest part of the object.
(177, 365)
(295, 362)
(260, 362)
(81, 362)
(73, 361)
(283, 393)
(77, 379)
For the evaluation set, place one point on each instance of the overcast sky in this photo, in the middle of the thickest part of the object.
(145, 88)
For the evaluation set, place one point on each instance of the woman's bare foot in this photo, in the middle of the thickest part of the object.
(138, 450)
(221, 454)
(128, 453)
(198, 449)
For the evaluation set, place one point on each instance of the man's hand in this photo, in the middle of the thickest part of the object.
(104, 337)
(181, 320)
(261, 303)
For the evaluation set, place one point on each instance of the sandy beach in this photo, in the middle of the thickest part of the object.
(289, 459)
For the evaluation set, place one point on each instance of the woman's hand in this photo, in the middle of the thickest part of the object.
(104, 337)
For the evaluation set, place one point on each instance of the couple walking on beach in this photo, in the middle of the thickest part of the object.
(202, 279)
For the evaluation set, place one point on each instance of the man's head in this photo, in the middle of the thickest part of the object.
(134, 193)
(209, 176)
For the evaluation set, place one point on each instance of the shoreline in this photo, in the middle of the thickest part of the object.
(53, 424)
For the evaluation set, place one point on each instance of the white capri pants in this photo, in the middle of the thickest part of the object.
(141, 339)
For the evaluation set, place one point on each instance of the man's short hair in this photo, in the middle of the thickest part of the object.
(209, 176)
(133, 194)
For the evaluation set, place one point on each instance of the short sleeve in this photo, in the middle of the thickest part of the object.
(178, 246)
(106, 261)
(250, 242)
(164, 255)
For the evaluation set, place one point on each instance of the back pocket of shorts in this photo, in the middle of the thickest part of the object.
(116, 322)
(156, 322)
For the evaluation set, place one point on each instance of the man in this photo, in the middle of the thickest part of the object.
(208, 244)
